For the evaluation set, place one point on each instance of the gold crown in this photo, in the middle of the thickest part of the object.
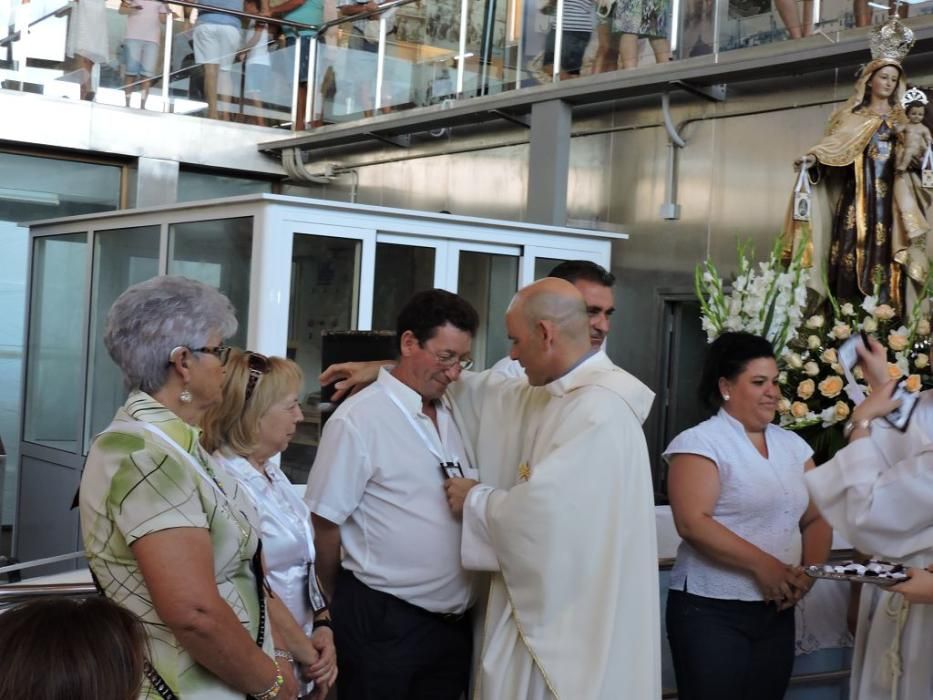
(892, 40)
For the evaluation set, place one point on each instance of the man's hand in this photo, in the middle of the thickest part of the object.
(350, 377)
(457, 490)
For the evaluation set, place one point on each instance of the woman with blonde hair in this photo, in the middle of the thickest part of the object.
(254, 422)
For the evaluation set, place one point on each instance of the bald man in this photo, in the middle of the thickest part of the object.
(564, 517)
(595, 283)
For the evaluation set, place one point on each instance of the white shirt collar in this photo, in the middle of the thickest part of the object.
(566, 383)
(410, 399)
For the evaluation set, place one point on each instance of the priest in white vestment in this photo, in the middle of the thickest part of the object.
(564, 517)
(878, 493)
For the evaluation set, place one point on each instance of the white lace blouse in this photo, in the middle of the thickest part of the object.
(760, 499)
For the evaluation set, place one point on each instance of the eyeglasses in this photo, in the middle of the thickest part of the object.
(448, 360)
(221, 352)
(258, 365)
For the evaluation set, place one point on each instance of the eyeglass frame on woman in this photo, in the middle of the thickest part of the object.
(221, 352)
(253, 362)
(450, 362)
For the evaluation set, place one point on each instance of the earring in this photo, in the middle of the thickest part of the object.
(725, 397)
(185, 396)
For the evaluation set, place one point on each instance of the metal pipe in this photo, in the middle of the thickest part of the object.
(360, 15)
(489, 24)
(41, 562)
(380, 65)
(675, 138)
(464, 20)
(558, 39)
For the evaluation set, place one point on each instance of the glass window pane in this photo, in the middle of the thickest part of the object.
(488, 282)
(543, 266)
(34, 188)
(401, 270)
(324, 297)
(122, 257)
(217, 253)
(54, 377)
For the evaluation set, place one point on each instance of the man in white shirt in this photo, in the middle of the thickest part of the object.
(564, 518)
(595, 283)
(376, 489)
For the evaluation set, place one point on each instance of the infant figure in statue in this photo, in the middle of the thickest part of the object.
(915, 140)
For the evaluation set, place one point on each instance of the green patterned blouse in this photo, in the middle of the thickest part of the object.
(132, 486)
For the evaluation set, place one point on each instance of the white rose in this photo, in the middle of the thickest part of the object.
(883, 312)
(923, 327)
(813, 342)
(795, 361)
(811, 369)
(782, 378)
(921, 361)
(847, 309)
(815, 321)
(869, 325)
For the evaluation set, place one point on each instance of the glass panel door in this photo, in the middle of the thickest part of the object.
(401, 270)
(54, 375)
(217, 253)
(488, 281)
(122, 258)
(324, 297)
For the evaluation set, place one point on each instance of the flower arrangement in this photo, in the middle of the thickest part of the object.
(767, 300)
(812, 380)
(770, 300)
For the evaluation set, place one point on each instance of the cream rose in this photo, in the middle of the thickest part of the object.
(894, 371)
(813, 342)
(847, 309)
(921, 361)
(782, 377)
(858, 373)
(842, 410)
(815, 321)
(913, 383)
(897, 342)
(883, 312)
(829, 356)
(799, 409)
(831, 386)
(841, 331)
(923, 327)
(805, 389)
(837, 368)
(783, 406)
(869, 325)
(811, 369)
(795, 361)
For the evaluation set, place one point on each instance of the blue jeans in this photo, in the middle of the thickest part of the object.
(729, 649)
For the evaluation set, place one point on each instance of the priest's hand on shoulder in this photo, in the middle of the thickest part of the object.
(349, 377)
(457, 490)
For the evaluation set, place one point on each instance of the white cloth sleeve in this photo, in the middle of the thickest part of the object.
(476, 551)
(882, 508)
(340, 472)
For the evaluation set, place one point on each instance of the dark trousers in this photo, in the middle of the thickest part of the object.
(729, 649)
(391, 650)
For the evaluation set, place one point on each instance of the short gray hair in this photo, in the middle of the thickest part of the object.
(152, 318)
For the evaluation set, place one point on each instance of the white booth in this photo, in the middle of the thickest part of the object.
(293, 268)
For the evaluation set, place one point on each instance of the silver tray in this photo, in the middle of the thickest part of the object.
(817, 572)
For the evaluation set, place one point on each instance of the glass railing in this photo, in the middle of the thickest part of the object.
(370, 59)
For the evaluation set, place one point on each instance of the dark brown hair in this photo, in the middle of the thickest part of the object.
(70, 649)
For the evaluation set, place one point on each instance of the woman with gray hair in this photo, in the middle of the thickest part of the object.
(167, 533)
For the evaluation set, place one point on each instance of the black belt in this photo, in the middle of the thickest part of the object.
(449, 618)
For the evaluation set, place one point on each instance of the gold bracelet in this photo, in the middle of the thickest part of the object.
(273, 691)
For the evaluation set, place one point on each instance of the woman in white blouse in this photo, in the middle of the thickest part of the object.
(255, 421)
(737, 492)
